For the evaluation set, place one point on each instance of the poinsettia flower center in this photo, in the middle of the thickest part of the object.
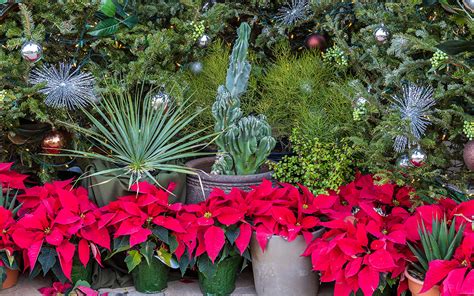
(82, 215)
(298, 224)
(4, 231)
(47, 230)
(396, 202)
(305, 206)
(149, 219)
(384, 231)
(465, 263)
(207, 215)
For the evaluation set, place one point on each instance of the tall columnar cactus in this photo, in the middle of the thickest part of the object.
(245, 142)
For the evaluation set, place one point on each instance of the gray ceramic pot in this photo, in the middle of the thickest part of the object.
(195, 193)
(281, 270)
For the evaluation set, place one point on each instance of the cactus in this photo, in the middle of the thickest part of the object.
(244, 142)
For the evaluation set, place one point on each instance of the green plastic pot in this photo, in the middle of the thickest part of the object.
(150, 278)
(222, 283)
(79, 272)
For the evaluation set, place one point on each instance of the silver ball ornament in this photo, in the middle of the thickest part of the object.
(196, 67)
(31, 51)
(418, 157)
(204, 41)
(382, 34)
(469, 4)
(403, 162)
(160, 100)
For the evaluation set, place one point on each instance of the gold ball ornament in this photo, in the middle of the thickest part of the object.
(53, 142)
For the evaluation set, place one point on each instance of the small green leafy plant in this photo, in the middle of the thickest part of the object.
(315, 164)
(439, 244)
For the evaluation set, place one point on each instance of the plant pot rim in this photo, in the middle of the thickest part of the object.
(412, 278)
(318, 231)
(197, 163)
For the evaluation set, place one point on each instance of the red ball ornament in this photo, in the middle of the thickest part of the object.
(316, 41)
(53, 142)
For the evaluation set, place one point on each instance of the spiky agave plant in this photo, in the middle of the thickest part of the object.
(440, 244)
(138, 138)
(8, 199)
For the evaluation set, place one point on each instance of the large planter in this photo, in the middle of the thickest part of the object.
(468, 155)
(151, 278)
(195, 193)
(11, 279)
(281, 270)
(415, 285)
(222, 283)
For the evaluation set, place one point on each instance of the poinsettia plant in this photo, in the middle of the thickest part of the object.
(144, 225)
(11, 183)
(364, 247)
(216, 229)
(284, 210)
(58, 224)
(448, 263)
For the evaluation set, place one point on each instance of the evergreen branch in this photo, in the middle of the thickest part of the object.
(26, 20)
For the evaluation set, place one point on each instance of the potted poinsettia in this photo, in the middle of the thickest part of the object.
(285, 218)
(10, 184)
(59, 230)
(143, 225)
(364, 248)
(216, 239)
(444, 249)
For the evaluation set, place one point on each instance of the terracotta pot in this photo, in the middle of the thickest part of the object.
(195, 193)
(415, 286)
(281, 270)
(12, 278)
(468, 154)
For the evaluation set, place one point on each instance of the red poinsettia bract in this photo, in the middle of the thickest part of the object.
(59, 216)
(365, 236)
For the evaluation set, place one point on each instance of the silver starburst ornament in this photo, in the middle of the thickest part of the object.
(294, 12)
(65, 87)
(414, 106)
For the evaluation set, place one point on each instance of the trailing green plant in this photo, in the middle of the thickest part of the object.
(316, 164)
(139, 139)
(303, 90)
(244, 142)
(439, 244)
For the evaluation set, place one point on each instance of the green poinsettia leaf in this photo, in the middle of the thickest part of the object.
(206, 266)
(47, 259)
(105, 28)
(167, 258)
(162, 234)
(107, 7)
(147, 249)
(173, 244)
(232, 234)
(133, 259)
(3, 275)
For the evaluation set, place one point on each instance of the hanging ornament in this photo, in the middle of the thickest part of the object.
(208, 4)
(306, 87)
(65, 88)
(469, 4)
(196, 67)
(294, 12)
(381, 34)
(316, 41)
(418, 157)
(204, 41)
(161, 100)
(53, 142)
(414, 107)
(31, 51)
(403, 162)
(468, 155)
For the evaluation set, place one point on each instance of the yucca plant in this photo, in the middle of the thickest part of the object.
(439, 244)
(140, 136)
(8, 200)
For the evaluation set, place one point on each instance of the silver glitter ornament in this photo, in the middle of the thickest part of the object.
(414, 107)
(381, 34)
(294, 12)
(161, 100)
(204, 41)
(31, 51)
(403, 162)
(469, 4)
(196, 67)
(65, 88)
(418, 157)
